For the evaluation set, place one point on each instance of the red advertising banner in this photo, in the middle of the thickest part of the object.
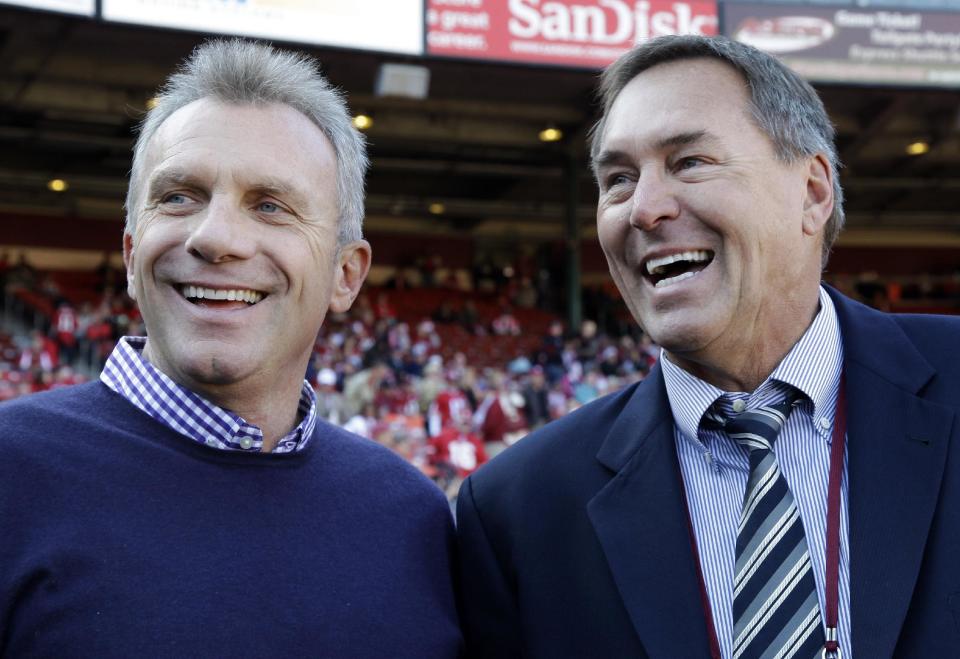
(580, 33)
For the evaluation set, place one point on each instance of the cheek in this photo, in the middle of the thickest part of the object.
(611, 234)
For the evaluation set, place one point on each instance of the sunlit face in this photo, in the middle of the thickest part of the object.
(705, 231)
(234, 258)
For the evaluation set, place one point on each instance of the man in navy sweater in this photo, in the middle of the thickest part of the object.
(190, 503)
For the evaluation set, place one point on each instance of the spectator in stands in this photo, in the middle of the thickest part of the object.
(470, 318)
(536, 405)
(500, 415)
(588, 344)
(445, 313)
(40, 355)
(551, 352)
(525, 296)
(65, 327)
(448, 409)
(383, 309)
(109, 278)
(22, 274)
(458, 447)
(505, 324)
(360, 389)
(190, 502)
(330, 403)
(432, 382)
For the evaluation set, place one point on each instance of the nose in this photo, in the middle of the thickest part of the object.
(654, 201)
(222, 233)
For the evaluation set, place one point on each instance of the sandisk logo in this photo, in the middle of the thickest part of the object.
(607, 22)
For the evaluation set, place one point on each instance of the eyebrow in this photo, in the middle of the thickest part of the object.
(615, 156)
(168, 178)
(263, 185)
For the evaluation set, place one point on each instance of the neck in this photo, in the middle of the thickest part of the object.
(745, 365)
(275, 413)
(270, 405)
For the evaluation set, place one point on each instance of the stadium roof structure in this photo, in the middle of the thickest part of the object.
(465, 160)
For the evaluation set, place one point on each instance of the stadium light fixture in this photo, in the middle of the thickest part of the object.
(362, 121)
(57, 185)
(436, 208)
(551, 134)
(918, 148)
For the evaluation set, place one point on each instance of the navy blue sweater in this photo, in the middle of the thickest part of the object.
(120, 538)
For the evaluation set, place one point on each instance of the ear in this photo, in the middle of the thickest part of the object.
(352, 269)
(128, 264)
(818, 197)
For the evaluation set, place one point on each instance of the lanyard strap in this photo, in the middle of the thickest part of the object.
(831, 649)
(832, 582)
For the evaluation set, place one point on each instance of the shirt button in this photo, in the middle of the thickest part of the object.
(246, 442)
(211, 441)
(739, 406)
(824, 423)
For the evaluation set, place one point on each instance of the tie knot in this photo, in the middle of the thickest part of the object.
(755, 429)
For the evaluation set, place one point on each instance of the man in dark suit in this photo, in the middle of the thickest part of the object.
(651, 523)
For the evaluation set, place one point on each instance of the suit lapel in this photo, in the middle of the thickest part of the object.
(641, 521)
(897, 446)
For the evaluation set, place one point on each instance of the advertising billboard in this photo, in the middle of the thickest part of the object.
(394, 26)
(854, 44)
(80, 7)
(580, 33)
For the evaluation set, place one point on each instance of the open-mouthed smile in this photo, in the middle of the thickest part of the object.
(218, 296)
(663, 271)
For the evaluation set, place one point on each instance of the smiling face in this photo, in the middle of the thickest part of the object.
(234, 259)
(713, 242)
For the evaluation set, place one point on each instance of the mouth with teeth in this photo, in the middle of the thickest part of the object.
(223, 298)
(674, 268)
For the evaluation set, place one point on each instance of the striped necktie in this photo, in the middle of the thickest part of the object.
(776, 614)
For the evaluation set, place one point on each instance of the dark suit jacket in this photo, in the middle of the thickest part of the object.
(574, 543)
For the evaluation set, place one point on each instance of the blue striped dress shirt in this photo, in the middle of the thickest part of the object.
(178, 408)
(715, 468)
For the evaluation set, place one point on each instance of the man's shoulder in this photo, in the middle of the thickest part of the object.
(365, 461)
(929, 326)
(53, 407)
(41, 432)
(934, 337)
(910, 350)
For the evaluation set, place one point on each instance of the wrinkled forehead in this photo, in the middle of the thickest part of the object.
(268, 145)
(681, 95)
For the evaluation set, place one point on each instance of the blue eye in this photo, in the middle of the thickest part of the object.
(268, 207)
(175, 198)
(616, 179)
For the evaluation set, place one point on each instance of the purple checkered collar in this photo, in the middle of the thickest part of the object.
(178, 408)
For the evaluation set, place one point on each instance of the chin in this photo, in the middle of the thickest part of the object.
(679, 337)
(210, 369)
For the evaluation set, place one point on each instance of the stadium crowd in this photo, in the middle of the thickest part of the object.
(445, 386)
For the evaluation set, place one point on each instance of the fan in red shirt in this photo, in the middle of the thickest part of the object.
(458, 447)
(449, 409)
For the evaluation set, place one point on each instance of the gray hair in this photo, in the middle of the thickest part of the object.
(246, 72)
(783, 105)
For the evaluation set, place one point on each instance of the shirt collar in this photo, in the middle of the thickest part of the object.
(137, 380)
(813, 366)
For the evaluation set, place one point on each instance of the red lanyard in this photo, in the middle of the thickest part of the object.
(832, 583)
